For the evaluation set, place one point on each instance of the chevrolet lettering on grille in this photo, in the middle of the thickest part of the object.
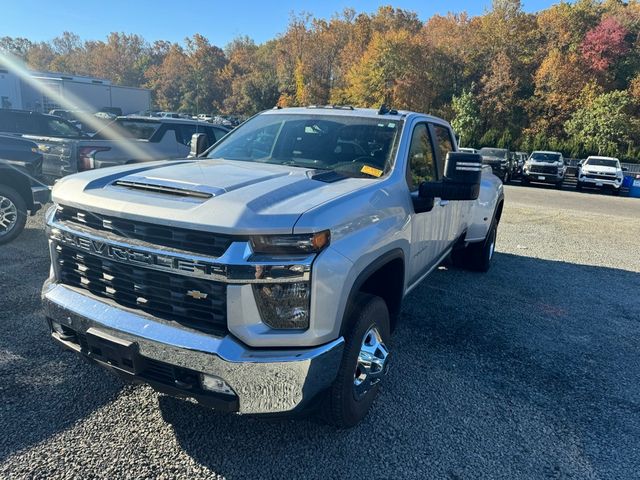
(132, 256)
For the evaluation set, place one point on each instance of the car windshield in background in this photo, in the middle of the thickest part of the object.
(126, 128)
(602, 162)
(354, 146)
(545, 157)
(493, 152)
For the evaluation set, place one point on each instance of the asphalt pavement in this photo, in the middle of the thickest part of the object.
(529, 371)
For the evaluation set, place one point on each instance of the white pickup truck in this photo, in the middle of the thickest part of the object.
(268, 277)
(600, 172)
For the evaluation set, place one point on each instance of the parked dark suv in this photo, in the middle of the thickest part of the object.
(24, 122)
(21, 191)
(501, 161)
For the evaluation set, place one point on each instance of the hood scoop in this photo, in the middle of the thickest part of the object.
(168, 187)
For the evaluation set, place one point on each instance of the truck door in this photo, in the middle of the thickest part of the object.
(429, 229)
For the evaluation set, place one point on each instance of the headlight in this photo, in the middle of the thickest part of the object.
(291, 244)
(284, 305)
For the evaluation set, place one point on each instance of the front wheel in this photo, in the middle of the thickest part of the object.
(13, 214)
(365, 362)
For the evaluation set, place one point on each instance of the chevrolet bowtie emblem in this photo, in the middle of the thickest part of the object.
(197, 294)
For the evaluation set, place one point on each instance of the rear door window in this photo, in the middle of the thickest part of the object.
(27, 124)
(141, 130)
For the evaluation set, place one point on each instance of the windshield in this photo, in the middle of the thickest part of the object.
(139, 129)
(493, 152)
(545, 157)
(355, 146)
(602, 162)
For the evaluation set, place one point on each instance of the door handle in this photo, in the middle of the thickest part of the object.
(444, 203)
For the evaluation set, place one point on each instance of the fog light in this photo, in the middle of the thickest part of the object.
(57, 328)
(215, 384)
(64, 333)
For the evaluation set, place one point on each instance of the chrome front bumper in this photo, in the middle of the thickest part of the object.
(264, 380)
(546, 177)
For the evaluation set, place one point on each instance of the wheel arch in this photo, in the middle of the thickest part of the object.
(18, 182)
(384, 277)
(499, 208)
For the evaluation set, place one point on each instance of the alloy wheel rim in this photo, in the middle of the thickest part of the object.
(373, 362)
(8, 215)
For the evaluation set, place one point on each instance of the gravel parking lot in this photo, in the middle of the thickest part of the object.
(529, 371)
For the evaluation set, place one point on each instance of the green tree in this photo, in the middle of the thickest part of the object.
(603, 126)
(466, 122)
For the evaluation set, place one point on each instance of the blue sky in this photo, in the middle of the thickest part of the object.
(220, 21)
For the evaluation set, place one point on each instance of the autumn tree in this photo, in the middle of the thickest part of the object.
(251, 77)
(169, 79)
(605, 44)
(391, 71)
(122, 59)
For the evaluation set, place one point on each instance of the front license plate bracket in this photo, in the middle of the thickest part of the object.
(120, 354)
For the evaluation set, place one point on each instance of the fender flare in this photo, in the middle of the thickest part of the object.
(364, 275)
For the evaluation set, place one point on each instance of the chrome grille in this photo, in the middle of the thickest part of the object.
(195, 303)
(598, 176)
(205, 243)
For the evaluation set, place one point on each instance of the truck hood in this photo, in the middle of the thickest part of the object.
(221, 196)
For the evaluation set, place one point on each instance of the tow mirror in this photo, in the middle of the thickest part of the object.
(199, 143)
(625, 169)
(461, 178)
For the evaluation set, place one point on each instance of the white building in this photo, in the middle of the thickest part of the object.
(85, 93)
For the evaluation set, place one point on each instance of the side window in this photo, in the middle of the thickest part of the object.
(184, 133)
(219, 133)
(59, 128)
(211, 135)
(422, 166)
(445, 144)
(27, 124)
(6, 125)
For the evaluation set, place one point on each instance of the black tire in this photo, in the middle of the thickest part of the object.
(342, 406)
(10, 202)
(477, 256)
(578, 186)
(616, 192)
(559, 185)
(525, 181)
